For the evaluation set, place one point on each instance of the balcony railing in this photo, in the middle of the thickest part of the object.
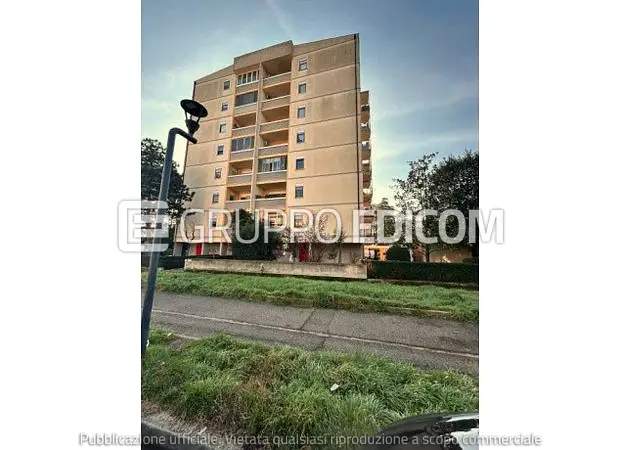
(272, 150)
(365, 149)
(276, 79)
(245, 178)
(244, 131)
(277, 175)
(270, 202)
(246, 87)
(238, 204)
(244, 109)
(241, 154)
(273, 126)
(276, 102)
(365, 116)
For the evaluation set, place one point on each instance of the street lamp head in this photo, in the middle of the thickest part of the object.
(194, 111)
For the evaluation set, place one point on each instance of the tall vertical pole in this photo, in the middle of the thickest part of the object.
(154, 259)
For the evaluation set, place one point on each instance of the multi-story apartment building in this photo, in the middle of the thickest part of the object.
(288, 127)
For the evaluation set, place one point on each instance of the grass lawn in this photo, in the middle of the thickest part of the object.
(453, 303)
(255, 389)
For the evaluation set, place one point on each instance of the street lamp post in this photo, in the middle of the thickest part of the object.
(194, 111)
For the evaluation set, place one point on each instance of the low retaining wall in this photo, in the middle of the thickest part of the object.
(306, 269)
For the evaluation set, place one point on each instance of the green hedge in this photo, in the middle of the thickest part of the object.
(165, 262)
(209, 256)
(415, 271)
(172, 262)
(398, 253)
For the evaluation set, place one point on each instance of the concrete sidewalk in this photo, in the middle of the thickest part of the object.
(425, 342)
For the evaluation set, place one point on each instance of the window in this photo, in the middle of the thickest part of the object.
(298, 220)
(226, 84)
(303, 64)
(246, 99)
(299, 191)
(215, 198)
(275, 219)
(218, 172)
(220, 149)
(301, 137)
(222, 127)
(224, 106)
(301, 112)
(213, 221)
(272, 164)
(299, 164)
(301, 88)
(244, 143)
(248, 77)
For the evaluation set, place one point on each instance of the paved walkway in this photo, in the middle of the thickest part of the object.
(429, 343)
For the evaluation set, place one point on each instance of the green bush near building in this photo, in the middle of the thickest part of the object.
(417, 271)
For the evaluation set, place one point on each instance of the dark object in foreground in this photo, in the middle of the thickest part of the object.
(432, 432)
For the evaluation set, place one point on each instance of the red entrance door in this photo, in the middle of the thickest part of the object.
(199, 248)
(303, 252)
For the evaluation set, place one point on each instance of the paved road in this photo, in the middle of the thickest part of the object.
(429, 343)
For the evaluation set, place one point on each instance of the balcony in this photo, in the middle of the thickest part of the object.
(244, 109)
(272, 150)
(277, 79)
(365, 116)
(238, 204)
(364, 97)
(276, 102)
(366, 175)
(244, 131)
(247, 87)
(365, 150)
(274, 126)
(273, 202)
(245, 178)
(267, 177)
(241, 154)
(367, 194)
(365, 128)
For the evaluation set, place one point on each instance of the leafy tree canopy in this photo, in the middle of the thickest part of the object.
(152, 164)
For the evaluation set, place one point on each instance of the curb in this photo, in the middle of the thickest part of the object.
(156, 438)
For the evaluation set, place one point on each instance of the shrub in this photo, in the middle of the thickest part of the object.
(171, 262)
(166, 262)
(398, 253)
(470, 261)
(210, 257)
(413, 271)
(259, 249)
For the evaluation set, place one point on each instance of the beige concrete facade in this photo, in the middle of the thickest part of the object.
(260, 108)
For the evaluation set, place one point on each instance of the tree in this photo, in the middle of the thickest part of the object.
(153, 155)
(398, 253)
(450, 184)
(415, 193)
(389, 226)
(314, 237)
(152, 164)
(456, 184)
(259, 249)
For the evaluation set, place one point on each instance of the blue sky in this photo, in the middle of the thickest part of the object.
(419, 59)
